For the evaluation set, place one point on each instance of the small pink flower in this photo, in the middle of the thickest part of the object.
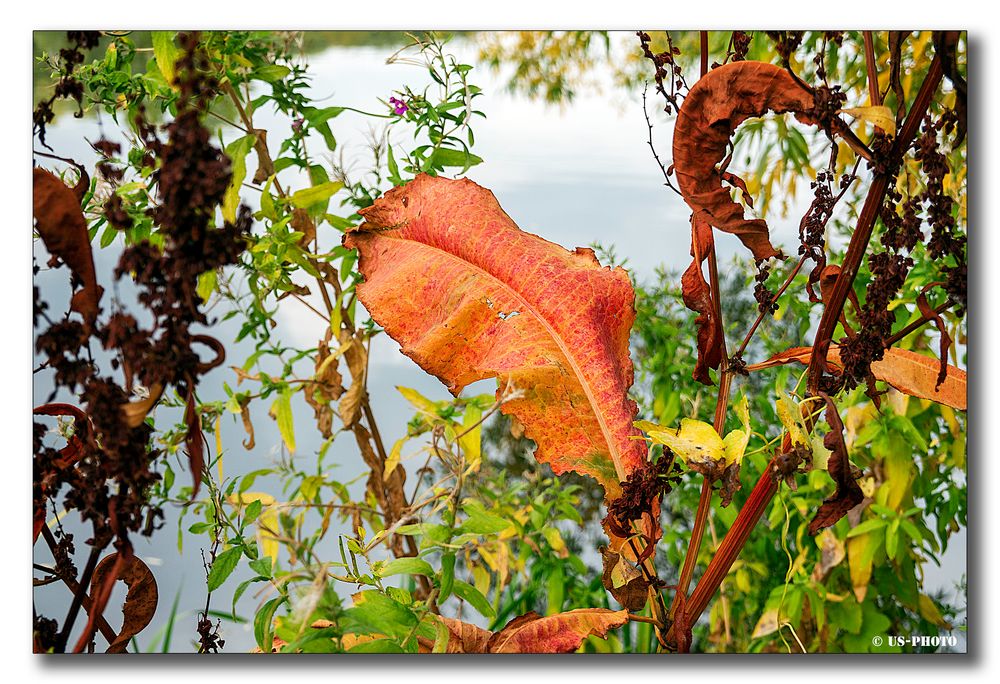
(398, 106)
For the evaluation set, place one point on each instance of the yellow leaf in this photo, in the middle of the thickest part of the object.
(880, 116)
(694, 440)
(860, 555)
(281, 411)
(820, 454)
(472, 439)
(268, 520)
(393, 460)
(736, 445)
(767, 624)
(419, 401)
(788, 414)
(930, 612)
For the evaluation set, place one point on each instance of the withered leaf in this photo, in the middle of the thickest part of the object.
(357, 363)
(848, 494)
(624, 581)
(140, 602)
(194, 442)
(559, 633)
(716, 105)
(62, 227)
(325, 387)
(698, 297)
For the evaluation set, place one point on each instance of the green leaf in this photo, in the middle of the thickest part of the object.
(376, 613)
(262, 624)
(262, 566)
(281, 411)
(272, 73)
(444, 156)
(407, 566)
(447, 576)
(252, 512)
(376, 646)
(237, 152)
(166, 54)
(471, 595)
(223, 567)
(308, 197)
(481, 522)
(394, 176)
(866, 526)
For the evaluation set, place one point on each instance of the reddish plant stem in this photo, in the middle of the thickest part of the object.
(920, 322)
(872, 68)
(705, 498)
(74, 607)
(858, 246)
(731, 545)
(704, 52)
(760, 316)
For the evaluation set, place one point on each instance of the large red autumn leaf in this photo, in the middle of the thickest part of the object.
(716, 105)
(469, 295)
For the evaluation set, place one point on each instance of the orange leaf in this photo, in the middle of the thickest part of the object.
(909, 372)
(716, 105)
(468, 295)
(559, 633)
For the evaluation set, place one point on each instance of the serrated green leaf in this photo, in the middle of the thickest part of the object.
(223, 566)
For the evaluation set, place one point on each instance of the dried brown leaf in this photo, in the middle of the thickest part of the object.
(716, 105)
(698, 297)
(848, 494)
(62, 227)
(140, 602)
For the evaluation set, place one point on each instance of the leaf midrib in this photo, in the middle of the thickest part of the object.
(605, 431)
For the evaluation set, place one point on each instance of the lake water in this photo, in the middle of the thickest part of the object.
(574, 175)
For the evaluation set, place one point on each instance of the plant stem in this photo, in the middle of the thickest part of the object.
(762, 313)
(767, 484)
(920, 322)
(858, 246)
(74, 608)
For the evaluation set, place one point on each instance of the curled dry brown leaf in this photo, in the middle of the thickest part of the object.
(716, 105)
(848, 494)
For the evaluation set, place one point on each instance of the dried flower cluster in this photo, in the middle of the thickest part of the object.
(107, 470)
